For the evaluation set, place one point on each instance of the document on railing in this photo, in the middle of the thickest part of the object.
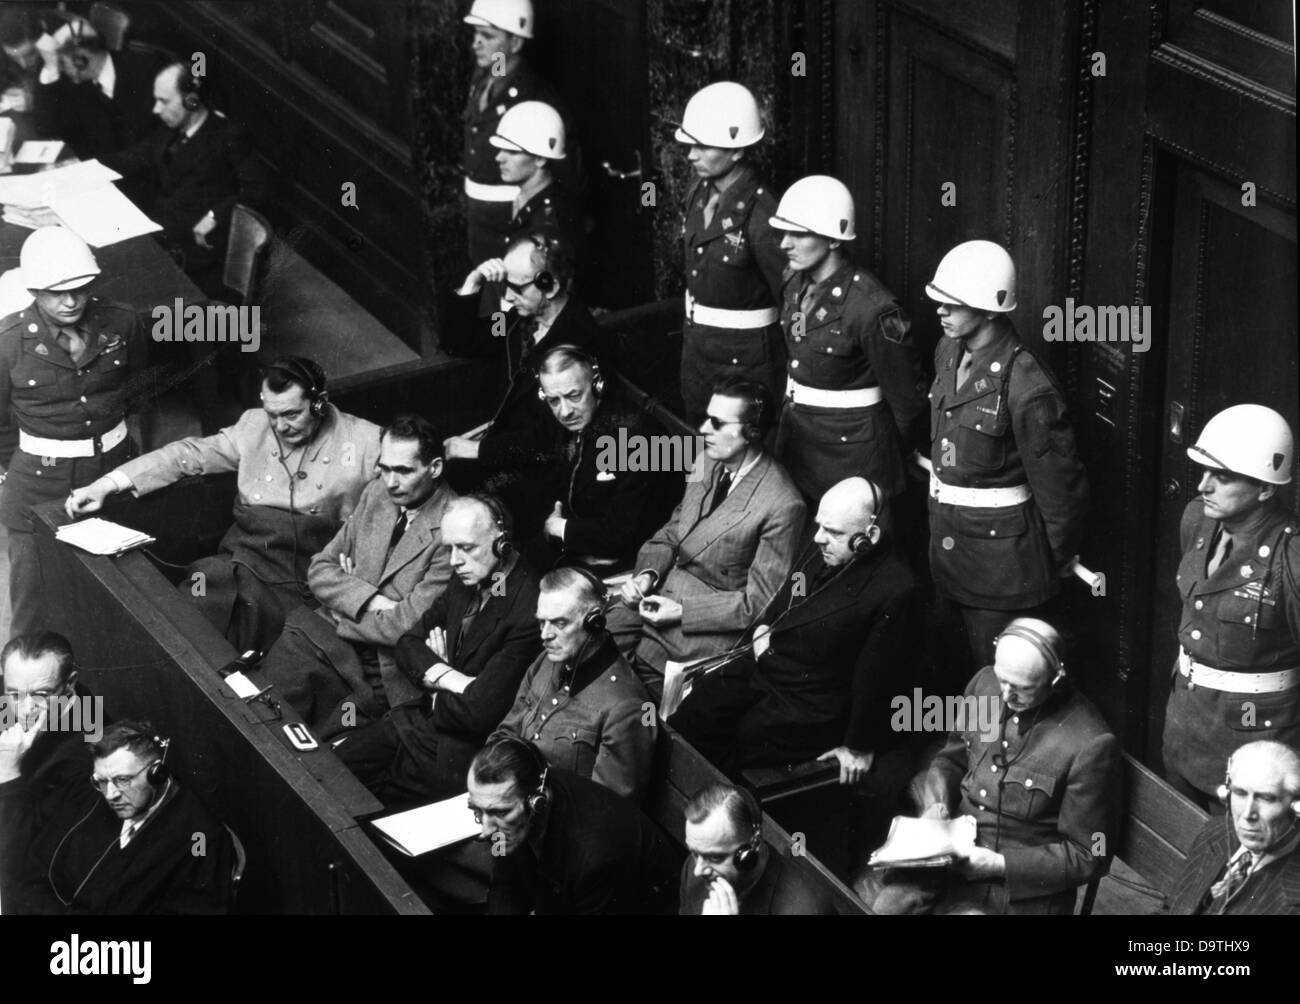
(925, 843)
(101, 536)
(440, 824)
(102, 216)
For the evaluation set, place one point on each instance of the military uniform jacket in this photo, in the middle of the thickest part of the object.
(1273, 889)
(552, 212)
(1007, 426)
(736, 262)
(1245, 618)
(1061, 787)
(589, 721)
(55, 398)
(854, 336)
(521, 84)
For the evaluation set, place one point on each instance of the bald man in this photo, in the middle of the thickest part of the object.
(828, 653)
(1248, 863)
(1043, 788)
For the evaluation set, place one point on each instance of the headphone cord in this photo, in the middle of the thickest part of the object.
(293, 476)
(1006, 765)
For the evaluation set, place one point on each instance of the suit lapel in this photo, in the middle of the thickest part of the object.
(418, 536)
(711, 528)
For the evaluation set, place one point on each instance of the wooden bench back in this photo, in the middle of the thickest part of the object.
(1158, 827)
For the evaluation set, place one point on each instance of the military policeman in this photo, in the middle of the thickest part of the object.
(64, 366)
(856, 389)
(1237, 677)
(1008, 492)
(734, 262)
(502, 78)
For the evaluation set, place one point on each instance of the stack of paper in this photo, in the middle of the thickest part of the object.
(419, 831)
(100, 536)
(81, 197)
(925, 843)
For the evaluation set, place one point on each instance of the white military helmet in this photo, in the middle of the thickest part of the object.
(977, 274)
(514, 16)
(531, 127)
(56, 260)
(817, 204)
(723, 115)
(1249, 440)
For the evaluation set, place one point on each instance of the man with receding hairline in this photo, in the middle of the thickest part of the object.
(829, 651)
(467, 653)
(1043, 792)
(1247, 862)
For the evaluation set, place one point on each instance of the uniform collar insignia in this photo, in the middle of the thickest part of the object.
(41, 350)
(821, 313)
(981, 384)
(726, 223)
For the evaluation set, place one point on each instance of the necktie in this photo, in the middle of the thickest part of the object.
(713, 197)
(964, 368)
(467, 618)
(1233, 877)
(1221, 551)
(485, 94)
(806, 300)
(73, 343)
(399, 528)
(720, 493)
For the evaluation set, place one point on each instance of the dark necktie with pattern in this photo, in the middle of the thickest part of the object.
(720, 493)
(399, 528)
(1233, 878)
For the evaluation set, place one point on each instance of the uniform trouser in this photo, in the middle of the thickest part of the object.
(756, 354)
(964, 637)
(820, 447)
(31, 481)
(1203, 727)
(376, 755)
(940, 891)
(488, 225)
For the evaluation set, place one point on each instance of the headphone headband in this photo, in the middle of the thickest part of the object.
(1045, 648)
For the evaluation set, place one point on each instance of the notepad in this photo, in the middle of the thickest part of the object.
(39, 151)
(440, 824)
(101, 536)
(925, 843)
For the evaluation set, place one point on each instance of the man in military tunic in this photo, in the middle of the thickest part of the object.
(64, 368)
(733, 258)
(502, 78)
(855, 390)
(1008, 492)
(1237, 677)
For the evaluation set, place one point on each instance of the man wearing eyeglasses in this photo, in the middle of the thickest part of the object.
(726, 549)
(40, 751)
(133, 841)
(513, 446)
(1042, 789)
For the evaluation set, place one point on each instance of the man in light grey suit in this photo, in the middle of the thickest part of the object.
(374, 580)
(724, 552)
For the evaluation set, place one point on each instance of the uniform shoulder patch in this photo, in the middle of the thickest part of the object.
(893, 326)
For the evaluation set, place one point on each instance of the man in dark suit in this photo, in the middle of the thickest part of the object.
(513, 447)
(828, 652)
(199, 164)
(99, 101)
(562, 844)
(607, 500)
(373, 580)
(470, 650)
(731, 870)
(43, 748)
(723, 553)
(141, 845)
(1247, 862)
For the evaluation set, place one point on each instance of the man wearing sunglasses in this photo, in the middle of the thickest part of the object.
(1043, 790)
(726, 549)
(132, 841)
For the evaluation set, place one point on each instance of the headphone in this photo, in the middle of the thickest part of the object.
(79, 38)
(1045, 648)
(593, 622)
(504, 543)
(748, 854)
(188, 85)
(1224, 792)
(860, 543)
(306, 372)
(752, 430)
(577, 352)
(544, 280)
